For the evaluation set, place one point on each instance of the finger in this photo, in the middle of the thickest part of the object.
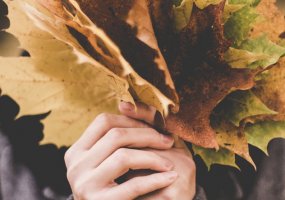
(143, 112)
(101, 125)
(125, 159)
(139, 186)
(123, 137)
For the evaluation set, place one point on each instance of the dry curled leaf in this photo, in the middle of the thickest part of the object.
(70, 84)
(98, 45)
(128, 24)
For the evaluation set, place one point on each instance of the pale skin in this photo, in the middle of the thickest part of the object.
(127, 146)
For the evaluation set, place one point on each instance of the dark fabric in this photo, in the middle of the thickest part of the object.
(268, 182)
(17, 181)
(200, 194)
(28, 171)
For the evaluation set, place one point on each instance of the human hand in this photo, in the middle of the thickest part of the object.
(108, 149)
(184, 187)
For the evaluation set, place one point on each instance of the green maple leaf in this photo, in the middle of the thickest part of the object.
(239, 24)
(211, 156)
(262, 45)
(255, 52)
(230, 9)
(261, 133)
(240, 58)
(242, 104)
(246, 2)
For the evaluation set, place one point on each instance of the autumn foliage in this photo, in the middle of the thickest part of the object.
(213, 69)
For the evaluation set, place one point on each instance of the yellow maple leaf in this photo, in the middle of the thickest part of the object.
(56, 78)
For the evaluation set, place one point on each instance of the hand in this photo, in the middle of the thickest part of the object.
(184, 187)
(108, 149)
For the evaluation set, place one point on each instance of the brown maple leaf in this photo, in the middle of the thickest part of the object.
(202, 77)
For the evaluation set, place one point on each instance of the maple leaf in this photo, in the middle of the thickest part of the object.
(230, 9)
(261, 45)
(200, 85)
(211, 157)
(272, 23)
(133, 33)
(240, 23)
(261, 133)
(50, 78)
(239, 58)
(9, 45)
(240, 105)
(182, 12)
(270, 87)
(230, 137)
(73, 107)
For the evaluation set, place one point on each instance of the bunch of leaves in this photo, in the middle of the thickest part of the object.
(234, 120)
(215, 80)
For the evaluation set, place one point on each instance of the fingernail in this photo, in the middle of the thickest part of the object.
(172, 175)
(126, 106)
(167, 139)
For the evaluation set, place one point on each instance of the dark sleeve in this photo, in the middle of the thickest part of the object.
(70, 197)
(200, 194)
(16, 180)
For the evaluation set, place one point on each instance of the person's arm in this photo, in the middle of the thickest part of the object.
(115, 144)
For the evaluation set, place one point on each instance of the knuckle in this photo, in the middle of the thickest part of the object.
(103, 118)
(122, 156)
(115, 134)
(154, 134)
(135, 190)
(154, 156)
